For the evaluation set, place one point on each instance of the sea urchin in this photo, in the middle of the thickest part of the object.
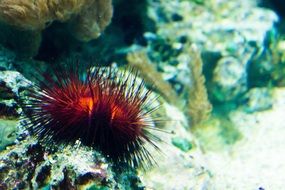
(103, 108)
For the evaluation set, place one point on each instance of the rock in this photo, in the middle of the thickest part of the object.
(11, 84)
(29, 165)
(7, 132)
(258, 99)
(13, 81)
(229, 80)
(236, 35)
(218, 26)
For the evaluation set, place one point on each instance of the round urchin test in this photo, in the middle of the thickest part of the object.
(104, 108)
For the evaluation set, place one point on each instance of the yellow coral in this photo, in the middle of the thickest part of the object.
(93, 20)
(89, 17)
(141, 62)
(26, 14)
(199, 107)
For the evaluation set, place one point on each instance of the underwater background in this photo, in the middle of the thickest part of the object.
(216, 66)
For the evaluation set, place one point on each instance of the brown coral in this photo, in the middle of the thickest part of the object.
(199, 106)
(88, 17)
(140, 61)
(93, 20)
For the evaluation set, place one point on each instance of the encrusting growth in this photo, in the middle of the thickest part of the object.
(87, 18)
(106, 109)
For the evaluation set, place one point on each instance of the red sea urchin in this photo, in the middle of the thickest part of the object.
(103, 108)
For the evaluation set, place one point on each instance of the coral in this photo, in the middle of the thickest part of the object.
(90, 23)
(268, 66)
(277, 55)
(35, 15)
(89, 16)
(141, 62)
(199, 107)
(103, 108)
(26, 14)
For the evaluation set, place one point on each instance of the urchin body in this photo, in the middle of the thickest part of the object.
(102, 108)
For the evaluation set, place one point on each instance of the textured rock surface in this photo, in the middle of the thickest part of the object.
(238, 153)
(28, 165)
(229, 79)
(218, 26)
(11, 84)
(8, 130)
(220, 30)
(244, 147)
(258, 99)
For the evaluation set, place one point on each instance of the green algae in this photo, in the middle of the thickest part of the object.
(95, 187)
(182, 143)
(7, 132)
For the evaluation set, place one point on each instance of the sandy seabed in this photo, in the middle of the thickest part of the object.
(257, 161)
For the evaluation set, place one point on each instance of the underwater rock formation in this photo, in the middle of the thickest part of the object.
(219, 29)
(29, 165)
(7, 132)
(258, 99)
(231, 36)
(11, 84)
(90, 17)
(229, 79)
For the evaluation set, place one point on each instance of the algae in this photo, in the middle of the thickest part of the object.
(182, 143)
(7, 132)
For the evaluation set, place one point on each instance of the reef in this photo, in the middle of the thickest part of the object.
(29, 165)
(217, 67)
(83, 20)
(8, 129)
(88, 18)
(12, 83)
(199, 107)
(141, 62)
